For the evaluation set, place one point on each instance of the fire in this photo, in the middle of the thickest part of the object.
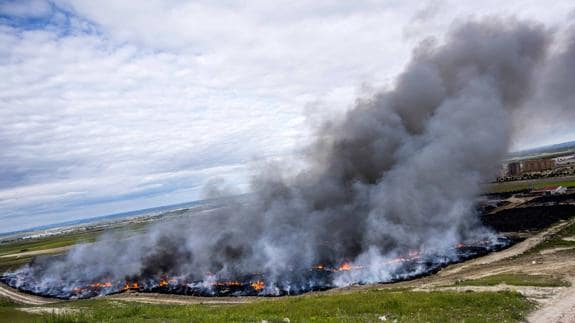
(258, 285)
(318, 275)
(165, 281)
(345, 266)
(133, 285)
(101, 285)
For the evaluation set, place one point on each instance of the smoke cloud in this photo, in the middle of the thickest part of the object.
(554, 100)
(398, 172)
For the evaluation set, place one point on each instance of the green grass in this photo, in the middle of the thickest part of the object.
(523, 185)
(364, 306)
(517, 279)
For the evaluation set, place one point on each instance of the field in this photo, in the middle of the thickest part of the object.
(359, 306)
(505, 286)
(515, 186)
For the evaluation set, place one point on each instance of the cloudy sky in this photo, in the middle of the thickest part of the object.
(109, 106)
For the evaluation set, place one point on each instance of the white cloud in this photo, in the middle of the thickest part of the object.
(132, 100)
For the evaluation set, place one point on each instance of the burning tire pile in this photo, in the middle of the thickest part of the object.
(319, 277)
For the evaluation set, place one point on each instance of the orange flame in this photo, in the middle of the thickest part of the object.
(101, 285)
(133, 285)
(258, 285)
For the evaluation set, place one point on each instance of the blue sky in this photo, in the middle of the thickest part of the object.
(108, 106)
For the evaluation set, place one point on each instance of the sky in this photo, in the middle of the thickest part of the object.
(110, 106)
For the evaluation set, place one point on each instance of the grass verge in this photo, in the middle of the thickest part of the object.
(517, 279)
(364, 306)
(9, 313)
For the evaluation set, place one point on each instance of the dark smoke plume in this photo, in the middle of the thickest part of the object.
(399, 172)
(554, 98)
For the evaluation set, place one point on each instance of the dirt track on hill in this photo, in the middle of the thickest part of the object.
(560, 309)
(23, 298)
(557, 304)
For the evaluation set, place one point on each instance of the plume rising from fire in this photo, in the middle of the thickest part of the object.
(387, 194)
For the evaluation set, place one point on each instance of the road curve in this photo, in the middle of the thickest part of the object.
(22, 298)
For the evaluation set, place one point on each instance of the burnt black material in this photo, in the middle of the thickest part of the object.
(314, 279)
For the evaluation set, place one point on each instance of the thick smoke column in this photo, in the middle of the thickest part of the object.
(554, 100)
(399, 172)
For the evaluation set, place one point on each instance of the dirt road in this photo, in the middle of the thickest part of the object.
(560, 309)
(22, 298)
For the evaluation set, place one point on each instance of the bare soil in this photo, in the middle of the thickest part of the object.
(560, 308)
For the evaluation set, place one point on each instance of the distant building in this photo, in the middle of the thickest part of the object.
(565, 160)
(514, 169)
(537, 165)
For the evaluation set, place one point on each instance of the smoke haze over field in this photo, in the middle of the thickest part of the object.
(399, 172)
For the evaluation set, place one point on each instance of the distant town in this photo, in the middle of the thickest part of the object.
(535, 165)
